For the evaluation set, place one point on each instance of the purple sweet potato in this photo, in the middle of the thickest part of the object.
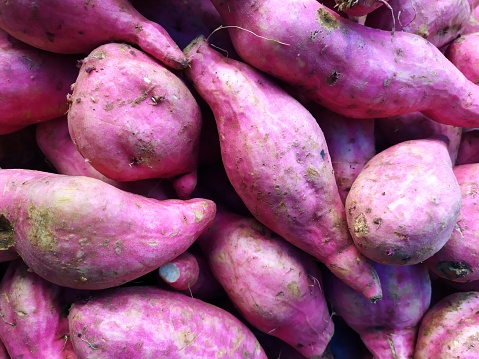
(132, 118)
(404, 205)
(473, 23)
(3, 352)
(33, 324)
(35, 84)
(349, 68)
(182, 272)
(449, 328)
(83, 233)
(275, 286)
(439, 21)
(351, 143)
(464, 54)
(150, 323)
(53, 139)
(358, 8)
(389, 327)
(78, 26)
(276, 157)
(468, 151)
(458, 259)
(393, 130)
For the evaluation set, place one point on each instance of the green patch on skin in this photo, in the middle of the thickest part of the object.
(293, 289)
(7, 238)
(327, 20)
(40, 235)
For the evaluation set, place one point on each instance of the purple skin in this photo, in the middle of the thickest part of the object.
(449, 328)
(405, 203)
(468, 151)
(132, 118)
(55, 142)
(458, 259)
(82, 233)
(351, 143)
(358, 7)
(412, 126)
(3, 352)
(33, 325)
(439, 21)
(464, 54)
(275, 286)
(77, 26)
(150, 323)
(35, 84)
(277, 160)
(182, 272)
(473, 23)
(389, 327)
(349, 68)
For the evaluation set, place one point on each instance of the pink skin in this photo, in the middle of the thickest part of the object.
(349, 68)
(275, 286)
(80, 232)
(389, 327)
(132, 118)
(439, 21)
(449, 328)
(404, 204)
(276, 158)
(464, 54)
(468, 151)
(32, 325)
(3, 352)
(35, 84)
(458, 259)
(56, 144)
(182, 272)
(473, 23)
(147, 323)
(351, 143)
(412, 126)
(74, 26)
(358, 7)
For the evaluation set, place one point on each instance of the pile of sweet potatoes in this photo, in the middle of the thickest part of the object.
(239, 179)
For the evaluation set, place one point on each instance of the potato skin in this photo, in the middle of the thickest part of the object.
(151, 323)
(131, 117)
(80, 232)
(347, 67)
(464, 54)
(404, 205)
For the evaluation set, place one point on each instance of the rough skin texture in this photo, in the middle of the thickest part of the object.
(458, 259)
(79, 26)
(449, 329)
(389, 327)
(277, 159)
(275, 286)
(438, 21)
(150, 323)
(404, 204)
(33, 324)
(347, 67)
(464, 54)
(34, 84)
(358, 7)
(131, 117)
(80, 232)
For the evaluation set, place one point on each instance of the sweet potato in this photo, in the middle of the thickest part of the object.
(182, 272)
(34, 84)
(275, 286)
(150, 323)
(464, 54)
(83, 233)
(389, 327)
(349, 68)
(33, 323)
(276, 157)
(78, 26)
(458, 259)
(404, 205)
(132, 118)
(449, 328)
(393, 130)
(439, 22)
(357, 8)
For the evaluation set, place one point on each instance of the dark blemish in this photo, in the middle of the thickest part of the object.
(332, 78)
(89, 69)
(387, 82)
(313, 34)
(79, 335)
(400, 52)
(453, 270)
(361, 227)
(322, 154)
(406, 259)
(6, 233)
(327, 20)
(50, 36)
(401, 236)
(443, 31)
(157, 99)
(299, 345)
